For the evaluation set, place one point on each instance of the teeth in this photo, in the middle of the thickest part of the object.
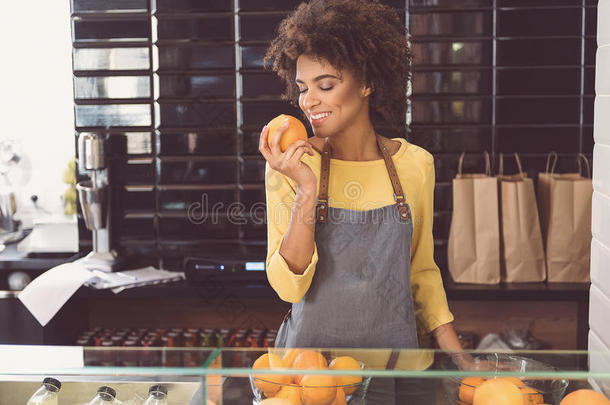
(321, 115)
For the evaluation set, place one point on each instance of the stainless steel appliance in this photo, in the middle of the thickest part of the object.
(94, 196)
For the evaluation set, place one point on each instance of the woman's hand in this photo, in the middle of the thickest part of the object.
(448, 341)
(289, 162)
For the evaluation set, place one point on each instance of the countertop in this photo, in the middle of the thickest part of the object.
(12, 259)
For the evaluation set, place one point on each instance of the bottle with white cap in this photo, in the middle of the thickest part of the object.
(157, 395)
(47, 393)
(105, 396)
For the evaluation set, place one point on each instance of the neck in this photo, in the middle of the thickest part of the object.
(355, 146)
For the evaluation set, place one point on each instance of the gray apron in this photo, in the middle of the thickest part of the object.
(360, 295)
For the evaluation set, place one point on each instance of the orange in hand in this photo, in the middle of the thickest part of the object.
(295, 131)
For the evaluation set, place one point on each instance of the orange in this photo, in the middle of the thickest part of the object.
(290, 355)
(275, 401)
(582, 397)
(270, 384)
(340, 397)
(291, 393)
(295, 131)
(289, 358)
(531, 396)
(514, 380)
(351, 381)
(497, 392)
(467, 387)
(318, 389)
(308, 359)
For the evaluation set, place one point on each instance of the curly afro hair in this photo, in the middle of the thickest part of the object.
(364, 36)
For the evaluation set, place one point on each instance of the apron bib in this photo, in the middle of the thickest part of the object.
(360, 295)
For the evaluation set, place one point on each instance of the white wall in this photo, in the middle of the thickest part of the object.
(599, 319)
(36, 94)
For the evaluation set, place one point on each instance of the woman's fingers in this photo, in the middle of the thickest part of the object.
(263, 145)
(288, 154)
(276, 137)
(298, 153)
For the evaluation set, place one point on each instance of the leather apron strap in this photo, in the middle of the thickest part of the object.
(399, 197)
(392, 360)
(322, 205)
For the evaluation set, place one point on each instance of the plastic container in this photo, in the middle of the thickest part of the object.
(552, 390)
(47, 393)
(157, 395)
(105, 396)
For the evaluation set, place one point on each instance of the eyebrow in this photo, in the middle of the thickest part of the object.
(319, 78)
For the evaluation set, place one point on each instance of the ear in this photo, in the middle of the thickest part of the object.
(366, 91)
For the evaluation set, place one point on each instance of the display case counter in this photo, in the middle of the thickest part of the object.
(247, 376)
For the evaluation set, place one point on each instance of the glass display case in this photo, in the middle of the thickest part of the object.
(305, 376)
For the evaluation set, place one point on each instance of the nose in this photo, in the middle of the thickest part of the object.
(309, 99)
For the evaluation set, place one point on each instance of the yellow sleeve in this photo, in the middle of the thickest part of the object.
(280, 193)
(431, 308)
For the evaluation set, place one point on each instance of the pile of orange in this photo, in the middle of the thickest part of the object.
(588, 397)
(308, 389)
(497, 391)
(512, 391)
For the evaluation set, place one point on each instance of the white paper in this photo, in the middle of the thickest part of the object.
(47, 293)
(119, 281)
(30, 358)
(51, 236)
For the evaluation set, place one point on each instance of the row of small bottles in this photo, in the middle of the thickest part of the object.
(178, 337)
(48, 394)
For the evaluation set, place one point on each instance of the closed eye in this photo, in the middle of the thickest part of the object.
(321, 88)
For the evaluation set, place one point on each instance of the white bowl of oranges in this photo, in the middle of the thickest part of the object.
(307, 389)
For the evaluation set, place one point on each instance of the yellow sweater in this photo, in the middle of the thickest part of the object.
(364, 185)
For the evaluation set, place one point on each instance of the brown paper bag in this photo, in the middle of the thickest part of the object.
(543, 193)
(521, 248)
(565, 202)
(474, 237)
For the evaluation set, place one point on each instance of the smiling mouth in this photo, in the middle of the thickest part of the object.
(319, 118)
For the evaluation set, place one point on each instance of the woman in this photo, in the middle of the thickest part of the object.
(350, 211)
